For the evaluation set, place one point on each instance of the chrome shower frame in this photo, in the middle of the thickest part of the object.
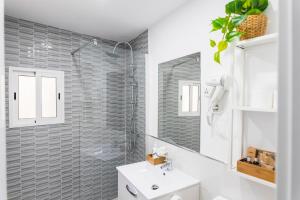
(133, 84)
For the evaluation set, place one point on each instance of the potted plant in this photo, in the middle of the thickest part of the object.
(244, 20)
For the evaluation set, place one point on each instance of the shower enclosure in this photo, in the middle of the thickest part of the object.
(109, 135)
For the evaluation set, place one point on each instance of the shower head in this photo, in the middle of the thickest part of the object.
(131, 51)
(113, 55)
(92, 42)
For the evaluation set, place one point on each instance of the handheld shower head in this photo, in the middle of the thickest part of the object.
(95, 42)
(113, 55)
(92, 42)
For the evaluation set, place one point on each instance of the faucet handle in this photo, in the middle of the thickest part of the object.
(168, 165)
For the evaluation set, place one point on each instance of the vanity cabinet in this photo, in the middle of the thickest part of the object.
(127, 191)
(135, 182)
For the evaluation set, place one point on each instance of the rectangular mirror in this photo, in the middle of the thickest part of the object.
(179, 102)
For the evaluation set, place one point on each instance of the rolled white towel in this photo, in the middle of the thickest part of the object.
(176, 197)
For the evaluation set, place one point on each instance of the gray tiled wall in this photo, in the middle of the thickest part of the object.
(77, 159)
(43, 161)
(181, 130)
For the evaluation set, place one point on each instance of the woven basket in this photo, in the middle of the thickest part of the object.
(253, 26)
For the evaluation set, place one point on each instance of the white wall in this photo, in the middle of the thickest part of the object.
(2, 109)
(289, 98)
(184, 32)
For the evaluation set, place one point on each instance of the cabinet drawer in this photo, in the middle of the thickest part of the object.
(126, 191)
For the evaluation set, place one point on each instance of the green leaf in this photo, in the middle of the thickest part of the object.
(232, 35)
(239, 6)
(230, 7)
(230, 26)
(224, 30)
(218, 23)
(213, 43)
(217, 57)
(222, 45)
(247, 4)
(255, 3)
(237, 20)
(234, 7)
(254, 11)
(262, 5)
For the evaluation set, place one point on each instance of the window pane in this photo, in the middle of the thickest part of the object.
(27, 97)
(185, 98)
(48, 97)
(195, 98)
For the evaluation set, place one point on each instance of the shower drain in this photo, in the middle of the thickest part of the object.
(154, 187)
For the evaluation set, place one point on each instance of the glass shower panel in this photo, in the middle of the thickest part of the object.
(102, 129)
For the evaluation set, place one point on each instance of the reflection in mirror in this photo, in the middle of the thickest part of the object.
(179, 102)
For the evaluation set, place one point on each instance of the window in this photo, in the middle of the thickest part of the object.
(189, 98)
(36, 97)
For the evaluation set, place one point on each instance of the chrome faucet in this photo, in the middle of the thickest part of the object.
(167, 166)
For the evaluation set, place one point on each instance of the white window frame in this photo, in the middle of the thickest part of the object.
(14, 120)
(189, 83)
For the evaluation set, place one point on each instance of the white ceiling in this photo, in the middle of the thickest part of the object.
(119, 20)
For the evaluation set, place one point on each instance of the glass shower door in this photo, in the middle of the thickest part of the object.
(102, 128)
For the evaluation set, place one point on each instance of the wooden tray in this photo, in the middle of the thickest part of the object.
(155, 161)
(257, 171)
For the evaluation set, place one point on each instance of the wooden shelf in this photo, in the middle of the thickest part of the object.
(254, 179)
(253, 109)
(270, 38)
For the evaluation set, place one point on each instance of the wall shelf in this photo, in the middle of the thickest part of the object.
(255, 72)
(253, 109)
(270, 38)
(256, 180)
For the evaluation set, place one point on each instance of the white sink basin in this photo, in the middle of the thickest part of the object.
(143, 176)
